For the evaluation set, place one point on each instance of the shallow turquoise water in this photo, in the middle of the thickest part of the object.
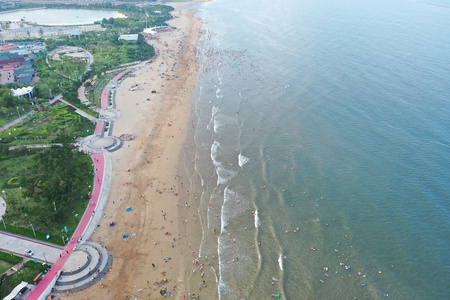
(333, 118)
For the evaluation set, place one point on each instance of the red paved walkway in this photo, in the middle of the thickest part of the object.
(99, 128)
(99, 163)
(105, 96)
(121, 74)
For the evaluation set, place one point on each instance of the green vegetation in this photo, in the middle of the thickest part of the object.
(5, 266)
(72, 67)
(55, 239)
(10, 258)
(95, 91)
(58, 123)
(49, 188)
(12, 107)
(108, 52)
(27, 273)
(52, 83)
(57, 177)
(136, 16)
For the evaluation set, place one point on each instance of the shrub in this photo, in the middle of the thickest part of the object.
(13, 181)
(10, 258)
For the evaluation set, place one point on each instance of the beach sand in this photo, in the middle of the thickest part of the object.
(155, 191)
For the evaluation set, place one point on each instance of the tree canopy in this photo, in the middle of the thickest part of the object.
(58, 177)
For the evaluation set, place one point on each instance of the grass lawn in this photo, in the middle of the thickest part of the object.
(5, 266)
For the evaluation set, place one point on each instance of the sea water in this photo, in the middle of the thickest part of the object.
(322, 148)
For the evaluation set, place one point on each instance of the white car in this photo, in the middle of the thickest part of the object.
(28, 252)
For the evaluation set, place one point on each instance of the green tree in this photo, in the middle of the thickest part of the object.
(4, 110)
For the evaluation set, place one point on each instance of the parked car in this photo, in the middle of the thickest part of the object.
(28, 252)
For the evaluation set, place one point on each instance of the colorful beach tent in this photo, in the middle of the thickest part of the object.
(112, 224)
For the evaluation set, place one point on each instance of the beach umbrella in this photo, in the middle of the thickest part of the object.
(112, 224)
(128, 208)
(125, 235)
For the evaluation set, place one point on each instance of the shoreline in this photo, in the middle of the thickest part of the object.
(153, 191)
(21, 9)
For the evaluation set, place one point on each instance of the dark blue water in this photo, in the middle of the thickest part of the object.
(328, 120)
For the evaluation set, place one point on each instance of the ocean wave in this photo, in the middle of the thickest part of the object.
(223, 174)
(214, 152)
(214, 110)
(242, 160)
(257, 221)
(219, 94)
(280, 261)
(217, 125)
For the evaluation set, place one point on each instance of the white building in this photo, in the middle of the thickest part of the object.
(129, 37)
(25, 92)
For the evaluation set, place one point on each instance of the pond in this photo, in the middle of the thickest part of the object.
(60, 17)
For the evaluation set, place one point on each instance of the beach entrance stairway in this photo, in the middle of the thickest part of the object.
(86, 266)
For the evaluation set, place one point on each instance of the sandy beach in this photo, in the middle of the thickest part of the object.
(154, 256)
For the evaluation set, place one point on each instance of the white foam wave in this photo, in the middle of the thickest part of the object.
(217, 125)
(257, 221)
(280, 261)
(242, 160)
(223, 175)
(223, 214)
(215, 151)
(214, 110)
(219, 93)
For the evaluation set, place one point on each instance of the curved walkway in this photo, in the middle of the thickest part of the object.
(90, 58)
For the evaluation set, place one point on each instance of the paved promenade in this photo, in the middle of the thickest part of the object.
(79, 111)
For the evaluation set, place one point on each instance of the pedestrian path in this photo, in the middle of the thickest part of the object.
(79, 111)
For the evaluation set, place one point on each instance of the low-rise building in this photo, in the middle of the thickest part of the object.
(6, 74)
(129, 37)
(15, 68)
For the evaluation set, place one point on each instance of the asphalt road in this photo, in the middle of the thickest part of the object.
(43, 252)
